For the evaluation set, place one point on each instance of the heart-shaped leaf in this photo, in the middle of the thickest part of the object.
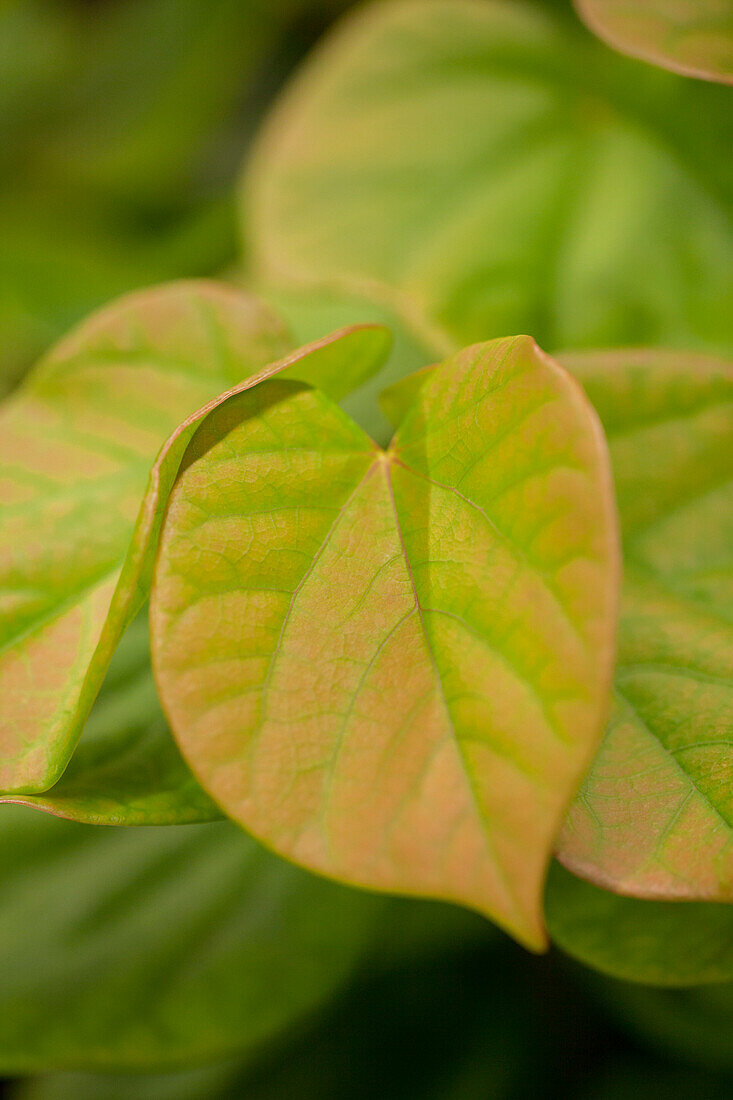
(393, 667)
(655, 942)
(83, 492)
(655, 815)
(126, 769)
(156, 948)
(694, 37)
(490, 167)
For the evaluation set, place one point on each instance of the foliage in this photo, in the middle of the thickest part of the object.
(420, 667)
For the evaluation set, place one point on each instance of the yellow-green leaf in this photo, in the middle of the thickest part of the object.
(393, 667)
(82, 491)
(488, 167)
(655, 815)
(126, 769)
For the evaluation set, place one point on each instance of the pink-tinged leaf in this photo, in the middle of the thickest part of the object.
(393, 667)
(693, 37)
(126, 769)
(83, 492)
(655, 815)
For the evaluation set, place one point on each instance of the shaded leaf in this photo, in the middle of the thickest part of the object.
(694, 37)
(495, 169)
(653, 942)
(412, 651)
(388, 1035)
(311, 312)
(654, 817)
(78, 446)
(396, 400)
(126, 769)
(156, 948)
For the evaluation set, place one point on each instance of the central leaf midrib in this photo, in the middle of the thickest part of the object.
(470, 779)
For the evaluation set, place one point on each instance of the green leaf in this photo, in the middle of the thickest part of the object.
(156, 948)
(83, 492)
(309, 313)
(126, 769)
(396, 400)
(693, 37)
(653, 942)
(412, 649)
(654, 817)
(493, 168)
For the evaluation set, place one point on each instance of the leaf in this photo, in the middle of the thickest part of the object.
(412, 648)
(654, 817)
(654, 942)
(83, 492)
(309, 313)
(489, 167)
(126, 769)
(396, 400)
(153, 949)
(693, 37)
(388, 1035)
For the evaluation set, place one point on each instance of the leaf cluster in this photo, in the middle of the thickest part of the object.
(420, 665)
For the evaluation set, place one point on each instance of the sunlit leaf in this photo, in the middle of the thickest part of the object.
(127, 769)
(654, 817)
(159, 948)
(654, 942)
(83, 492)
(694, 37)
(393, 666)
(495, 169)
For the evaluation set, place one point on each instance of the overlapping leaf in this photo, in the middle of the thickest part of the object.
(393, 666)
(694, 37)
(83, 492)
(494, 169)
(310, 312)
(654, 942)
(655, 815)
(126, 770)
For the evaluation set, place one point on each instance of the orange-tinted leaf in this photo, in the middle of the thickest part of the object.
(126, 769)
(393, 667)
(83, 493)
(694, 37)
(655, 815)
